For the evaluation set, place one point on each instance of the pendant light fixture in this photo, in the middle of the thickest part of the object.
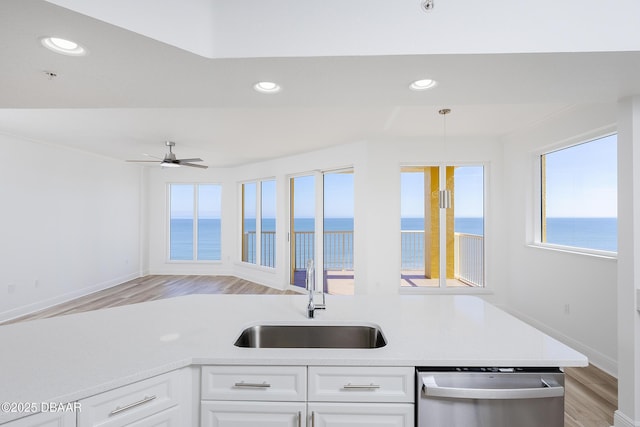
(444, 200)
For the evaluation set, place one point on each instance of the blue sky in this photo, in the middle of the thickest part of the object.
(582, 180)
(182, 197)
(468, 194)
(338, 196)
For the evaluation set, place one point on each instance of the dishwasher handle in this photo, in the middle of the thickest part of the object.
(549, 388)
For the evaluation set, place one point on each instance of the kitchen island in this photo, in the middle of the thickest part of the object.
(68, 358)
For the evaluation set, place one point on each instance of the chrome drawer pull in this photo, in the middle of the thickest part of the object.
(119, 409)
(299, 418)
(252, 385)
(350, 386)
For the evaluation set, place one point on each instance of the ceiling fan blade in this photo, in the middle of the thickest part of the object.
(193, 165)
(142, 161)
(189, 160)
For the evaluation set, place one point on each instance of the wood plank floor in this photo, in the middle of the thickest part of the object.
(591, 394)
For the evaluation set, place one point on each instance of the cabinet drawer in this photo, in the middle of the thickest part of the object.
(254, 383)
(132, 402)
(361, 384)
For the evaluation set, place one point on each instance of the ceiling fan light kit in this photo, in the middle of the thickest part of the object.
(170, 160)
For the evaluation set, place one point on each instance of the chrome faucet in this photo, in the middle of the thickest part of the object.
(311, 287)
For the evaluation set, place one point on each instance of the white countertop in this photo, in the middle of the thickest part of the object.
(67, 358)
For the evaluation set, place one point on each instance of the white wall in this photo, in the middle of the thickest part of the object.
(628, 315)
(541, 282)
(70, 224)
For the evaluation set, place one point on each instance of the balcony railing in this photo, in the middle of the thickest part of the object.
(468, 255)
(267, 245)
(412, 249)
(469, 258)
(338, 252)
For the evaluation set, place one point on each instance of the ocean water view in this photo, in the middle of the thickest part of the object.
(181, 237)
(591, 233)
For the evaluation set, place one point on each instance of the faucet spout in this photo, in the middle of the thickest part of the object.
(311, 287)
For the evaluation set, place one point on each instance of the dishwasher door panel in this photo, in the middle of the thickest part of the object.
(461, 399)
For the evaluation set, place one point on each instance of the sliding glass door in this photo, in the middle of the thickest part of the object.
(302, 227)
(442, 226)
(322, 205)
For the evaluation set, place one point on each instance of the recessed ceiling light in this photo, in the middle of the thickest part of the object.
(423, 84)
(63, 46)
(267, 87)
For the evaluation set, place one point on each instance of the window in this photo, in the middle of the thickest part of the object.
(194, 222)
(442, 226)
(579, 195)
(259, 219)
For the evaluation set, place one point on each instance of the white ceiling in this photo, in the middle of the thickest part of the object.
(132, 92)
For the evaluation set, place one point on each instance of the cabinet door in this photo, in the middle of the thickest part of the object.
(169, 418)
(44, 419)
(252, 414)
(360, 415)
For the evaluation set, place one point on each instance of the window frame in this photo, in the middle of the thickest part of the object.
(195, 186)
(534, 238)
(258, 206)
(487, 236)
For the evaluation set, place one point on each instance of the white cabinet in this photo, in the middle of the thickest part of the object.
(46, 419)
(361, 396)
(361, 384)
(248, 396)
(277, 383)
(297, 396)
(252, 414)
(158, 401)
(360, 414)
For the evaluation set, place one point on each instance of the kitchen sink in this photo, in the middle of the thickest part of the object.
(311, 336)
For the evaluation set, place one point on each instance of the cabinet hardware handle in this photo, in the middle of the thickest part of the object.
(252, 385)
(299, 418)
(371, 386)
(313, 419)
(119, 409)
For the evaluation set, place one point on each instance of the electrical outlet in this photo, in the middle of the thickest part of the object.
(11, 288)
(36, 283)
(567, 309)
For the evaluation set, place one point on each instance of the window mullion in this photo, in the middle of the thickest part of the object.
(195, 222)
(442, 171)
(258, 223)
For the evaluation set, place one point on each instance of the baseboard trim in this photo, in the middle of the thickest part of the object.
(50, 302)
(621, 420)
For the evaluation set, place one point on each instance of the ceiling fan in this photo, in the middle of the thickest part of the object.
(170, 159)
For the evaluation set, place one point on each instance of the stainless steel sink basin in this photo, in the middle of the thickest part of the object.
(311, 336)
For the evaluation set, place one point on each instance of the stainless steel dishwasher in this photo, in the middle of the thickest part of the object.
(489, 397)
